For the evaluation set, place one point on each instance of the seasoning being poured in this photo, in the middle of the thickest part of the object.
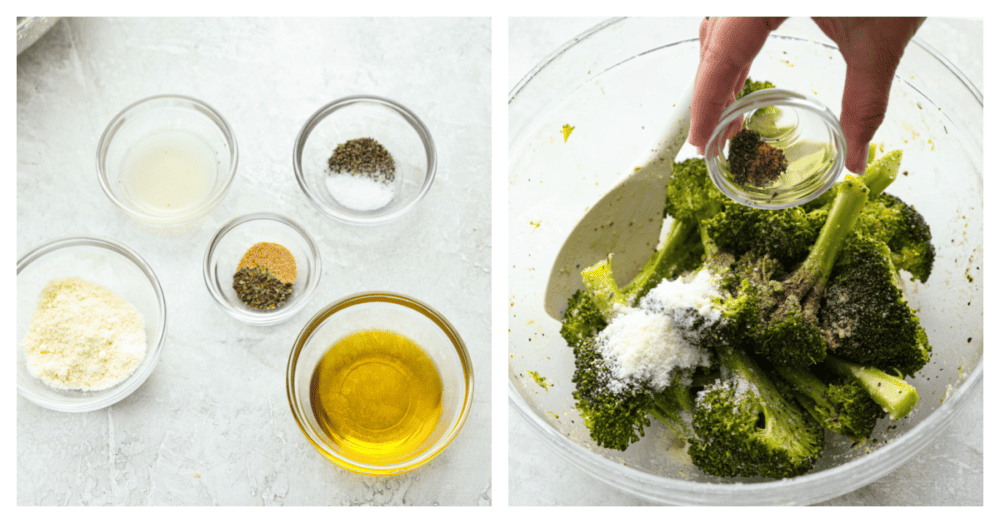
(265, 277)
(362, 172)
(752, 161)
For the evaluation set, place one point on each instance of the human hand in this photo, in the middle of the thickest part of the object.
(871, 47)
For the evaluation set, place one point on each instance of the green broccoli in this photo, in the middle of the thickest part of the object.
(789, 333)
(691, 198)
(582, 320)
(840, 405)
(744, 427)
(866, 318)
(785, 235)
(808, 329)
(892, 393)
(750, 86)
(904, 231)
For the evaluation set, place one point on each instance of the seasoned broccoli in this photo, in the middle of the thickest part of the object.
(840, 405)
(892, 393)
(789, 333)
(785, 235)
(749, 331)
(744, 427)
(904, 231)
(866, 318)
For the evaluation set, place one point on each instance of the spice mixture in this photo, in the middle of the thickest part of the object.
(753, 161)
(365, 157)
(84, 337)
(265, 277)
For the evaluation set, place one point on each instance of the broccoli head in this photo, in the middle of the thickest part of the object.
(904, 231)
(789, 334)
(866, 318)
(691, 194)
(750, 86)
(616, 418)
(744, 427)
(582, 320)
(785, 235)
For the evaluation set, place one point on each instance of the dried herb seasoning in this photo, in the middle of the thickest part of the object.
(752, 161)
(363, 157)
(258, 288)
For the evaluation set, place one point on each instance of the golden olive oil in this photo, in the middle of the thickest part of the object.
(377, 395)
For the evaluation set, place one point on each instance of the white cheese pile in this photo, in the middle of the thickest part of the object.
(646, 344)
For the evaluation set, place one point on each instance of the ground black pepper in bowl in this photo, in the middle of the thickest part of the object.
(364, 156)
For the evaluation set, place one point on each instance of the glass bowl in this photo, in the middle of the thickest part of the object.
(610, 83)
(363, 116)
(382, 311)
(116, 268)
(227, 248)
(172, 133)
(806, 130)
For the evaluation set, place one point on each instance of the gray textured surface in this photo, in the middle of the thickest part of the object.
(212, 424)
(948, 472)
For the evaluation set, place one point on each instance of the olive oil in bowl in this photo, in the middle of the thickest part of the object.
(377, 396)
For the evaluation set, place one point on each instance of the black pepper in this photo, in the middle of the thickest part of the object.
(364, 157)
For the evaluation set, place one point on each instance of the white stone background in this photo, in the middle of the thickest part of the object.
(212, 425)
(948, 472)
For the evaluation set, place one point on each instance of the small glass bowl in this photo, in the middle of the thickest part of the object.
(230, 244)
(106, 263)
(183, 122)
(388, 312)
(802, 126)
(364, 116)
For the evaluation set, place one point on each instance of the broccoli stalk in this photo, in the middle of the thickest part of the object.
(892, 393)
(879, 174)
(790, 335)
(844, 408)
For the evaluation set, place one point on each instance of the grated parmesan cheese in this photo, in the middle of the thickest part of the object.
(647, 344)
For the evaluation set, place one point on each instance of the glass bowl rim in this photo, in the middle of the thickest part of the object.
(111, 130)
(403, 301)
(133, 382)
(279, 314)
(415, 122)
(652, 487)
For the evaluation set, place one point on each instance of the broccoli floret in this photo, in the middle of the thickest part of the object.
(785, 235)
(892, 393)
(904, 231)
(583, 320)
(866, 318)
(750, 86)
(744, 427)
(840, 405)
(790, 333)
(616, 418)
(691, 194)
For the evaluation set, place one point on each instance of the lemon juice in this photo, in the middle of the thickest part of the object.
(170, 172)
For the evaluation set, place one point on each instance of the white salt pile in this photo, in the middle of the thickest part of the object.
(360, 193)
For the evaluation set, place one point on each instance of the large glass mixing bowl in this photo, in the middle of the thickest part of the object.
(611, 84)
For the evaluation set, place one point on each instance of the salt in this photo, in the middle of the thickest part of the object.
(360, 193)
